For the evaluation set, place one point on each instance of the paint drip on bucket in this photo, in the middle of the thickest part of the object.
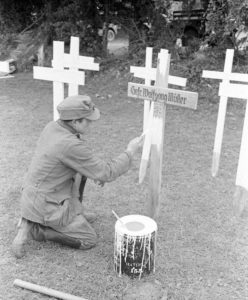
(135, 246)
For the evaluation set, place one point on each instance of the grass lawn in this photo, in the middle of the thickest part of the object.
(202, 248)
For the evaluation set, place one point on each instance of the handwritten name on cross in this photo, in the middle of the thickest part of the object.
(159, 95)
(148, 73)
(65, 69)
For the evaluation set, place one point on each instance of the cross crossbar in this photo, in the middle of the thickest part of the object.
(83, 63)
(234, 90)
(150, 73)
(65, 69)
(225, 76)
(65, 76)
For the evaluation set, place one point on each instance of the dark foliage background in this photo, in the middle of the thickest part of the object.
(26, 25)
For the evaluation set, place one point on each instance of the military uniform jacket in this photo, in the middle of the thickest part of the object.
(47, 196)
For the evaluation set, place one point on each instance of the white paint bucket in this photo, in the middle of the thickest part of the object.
(135, 245)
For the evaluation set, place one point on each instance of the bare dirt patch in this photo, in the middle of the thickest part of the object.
(202, 247)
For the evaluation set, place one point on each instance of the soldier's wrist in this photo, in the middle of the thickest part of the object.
(129, 153)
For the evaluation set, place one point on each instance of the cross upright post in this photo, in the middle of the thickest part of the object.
(58, 86)
(157, 138)
(240, 91)
(74, 54)
(148, 81)
(222, 108)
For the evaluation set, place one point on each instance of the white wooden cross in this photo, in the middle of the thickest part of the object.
(225, 77)
(65, 69)
(159, 95)
(149, 74)
(240, 91)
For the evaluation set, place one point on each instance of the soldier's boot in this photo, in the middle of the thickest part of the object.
(42, 233)
(23, 235)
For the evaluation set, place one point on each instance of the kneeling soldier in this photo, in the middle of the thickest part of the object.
(50, 203)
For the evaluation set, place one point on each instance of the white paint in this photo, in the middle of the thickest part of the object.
(146, 146)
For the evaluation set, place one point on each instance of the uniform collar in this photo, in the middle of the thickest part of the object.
(68, 127)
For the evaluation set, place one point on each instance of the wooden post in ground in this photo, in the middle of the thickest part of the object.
(161, 96)
(157, 131)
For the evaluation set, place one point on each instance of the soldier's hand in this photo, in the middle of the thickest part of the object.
(99, 182)
(135, 144)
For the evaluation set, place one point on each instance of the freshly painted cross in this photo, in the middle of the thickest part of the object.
(65, 69)
(158, 95)
(148, 73)
(240, 91)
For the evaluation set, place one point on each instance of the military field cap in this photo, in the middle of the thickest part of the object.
(78, 107)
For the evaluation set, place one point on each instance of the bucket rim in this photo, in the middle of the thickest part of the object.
(150, 225)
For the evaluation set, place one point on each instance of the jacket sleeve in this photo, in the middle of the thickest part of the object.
(80, 158)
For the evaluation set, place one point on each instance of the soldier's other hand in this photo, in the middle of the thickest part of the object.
(99, 182)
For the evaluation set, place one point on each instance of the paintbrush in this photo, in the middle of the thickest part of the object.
(144, 132)
(118, 218)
